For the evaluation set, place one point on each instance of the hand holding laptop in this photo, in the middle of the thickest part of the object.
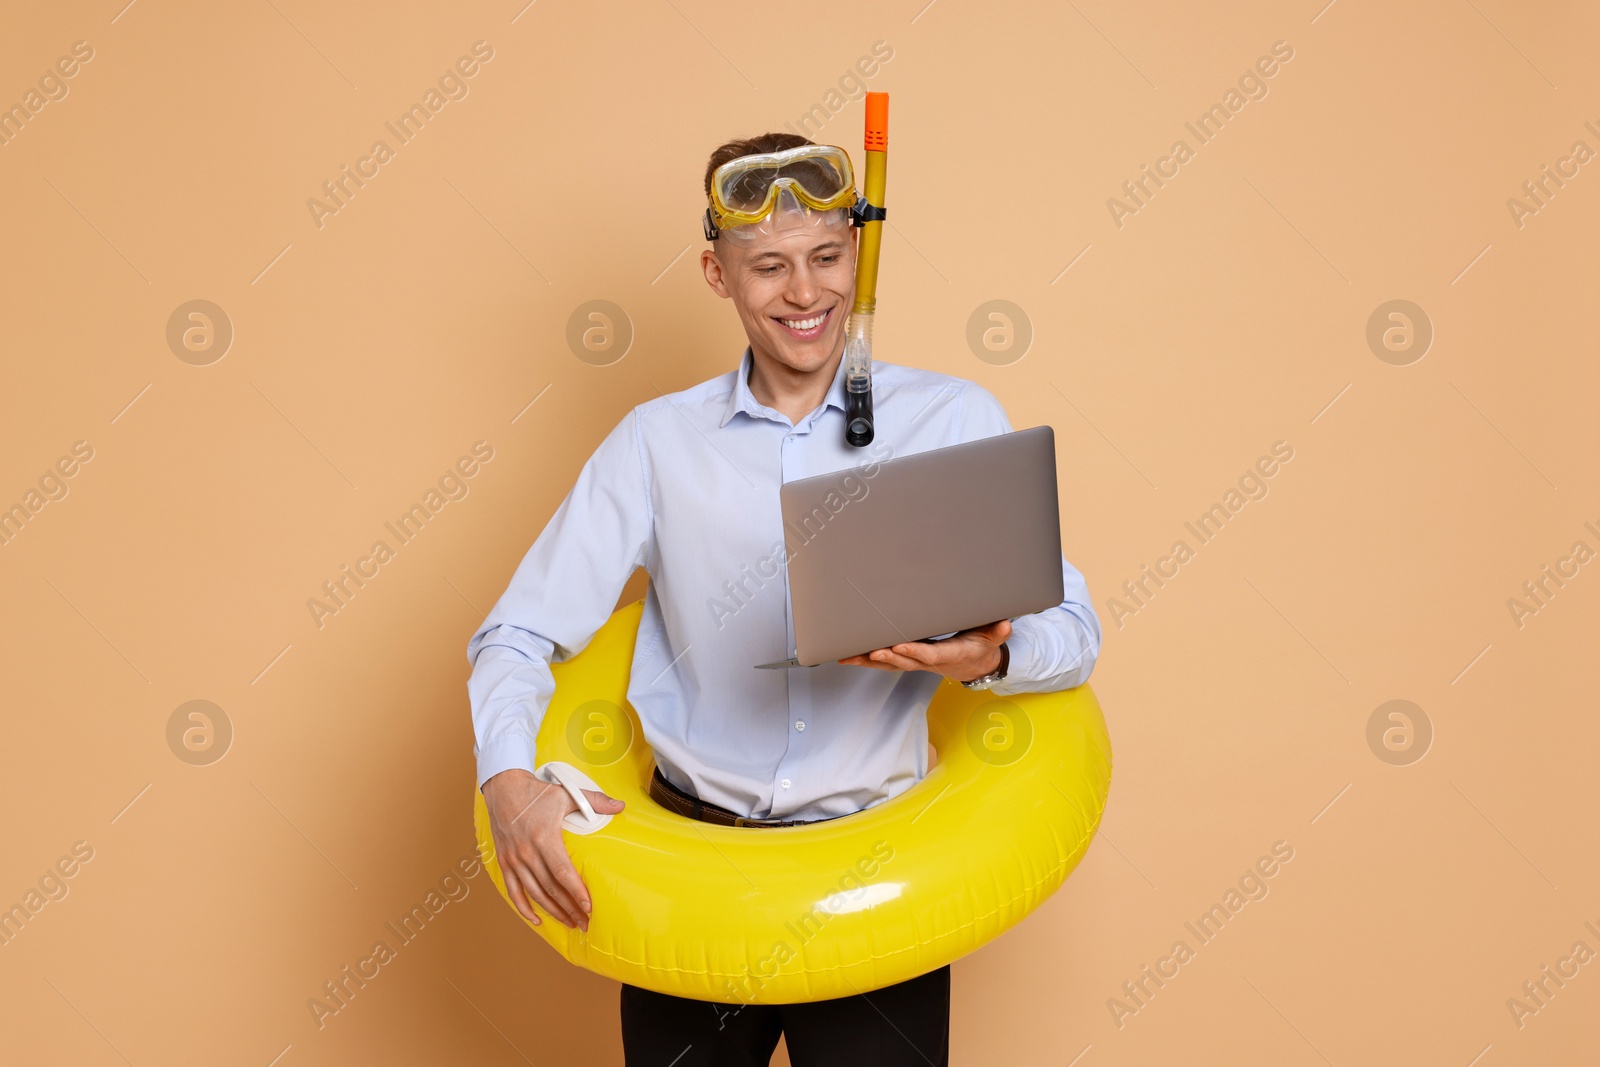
(967, 655)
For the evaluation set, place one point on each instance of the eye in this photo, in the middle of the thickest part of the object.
(830, 259)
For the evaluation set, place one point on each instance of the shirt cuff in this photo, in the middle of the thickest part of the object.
(505, 753)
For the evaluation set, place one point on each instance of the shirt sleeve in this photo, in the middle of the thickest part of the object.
(1051, 649)
(561, 594)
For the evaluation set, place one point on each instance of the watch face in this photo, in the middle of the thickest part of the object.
(994, 676)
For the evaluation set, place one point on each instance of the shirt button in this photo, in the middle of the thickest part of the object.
(784, 783)
(799, 725)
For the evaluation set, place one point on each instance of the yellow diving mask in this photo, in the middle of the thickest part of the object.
(813, 178)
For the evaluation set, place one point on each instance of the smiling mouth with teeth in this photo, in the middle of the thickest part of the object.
(807, 327)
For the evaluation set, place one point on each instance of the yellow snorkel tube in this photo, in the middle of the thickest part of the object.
(858, 331)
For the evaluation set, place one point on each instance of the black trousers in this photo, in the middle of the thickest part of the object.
(905, 1025)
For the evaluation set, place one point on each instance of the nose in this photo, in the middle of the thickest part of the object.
(803, 287)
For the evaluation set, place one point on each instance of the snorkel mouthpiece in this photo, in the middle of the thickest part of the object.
(858, 379)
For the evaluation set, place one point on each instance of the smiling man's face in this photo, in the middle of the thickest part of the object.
(792, 278)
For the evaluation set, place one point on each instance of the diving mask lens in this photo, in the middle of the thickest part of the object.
(749, 189)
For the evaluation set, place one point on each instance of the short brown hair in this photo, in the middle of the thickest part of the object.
(751, 146)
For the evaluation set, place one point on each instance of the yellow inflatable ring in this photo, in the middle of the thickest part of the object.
(794, 914)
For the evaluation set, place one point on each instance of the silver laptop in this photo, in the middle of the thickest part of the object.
(930, 544)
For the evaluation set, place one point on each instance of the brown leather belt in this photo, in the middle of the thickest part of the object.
(672, 798)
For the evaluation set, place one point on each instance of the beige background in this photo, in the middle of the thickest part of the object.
(1229, 313)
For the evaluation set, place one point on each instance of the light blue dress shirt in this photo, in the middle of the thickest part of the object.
(686, 486)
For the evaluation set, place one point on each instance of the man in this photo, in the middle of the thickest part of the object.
(686, 486)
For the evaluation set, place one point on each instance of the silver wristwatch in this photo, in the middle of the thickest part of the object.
(995, 675)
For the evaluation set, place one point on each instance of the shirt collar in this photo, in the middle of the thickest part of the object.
(741, 399)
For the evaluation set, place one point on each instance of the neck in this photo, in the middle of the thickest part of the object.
(795, 393)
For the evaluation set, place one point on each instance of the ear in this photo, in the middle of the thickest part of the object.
(712, 266)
